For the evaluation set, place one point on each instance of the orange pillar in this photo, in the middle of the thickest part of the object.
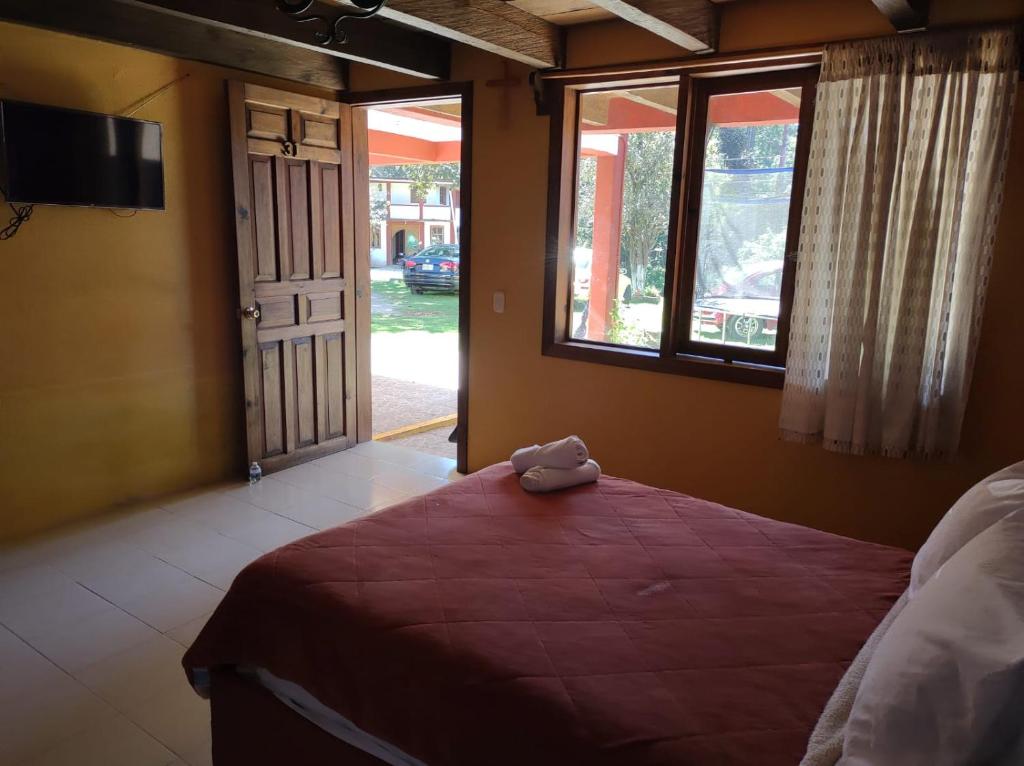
(604, 271)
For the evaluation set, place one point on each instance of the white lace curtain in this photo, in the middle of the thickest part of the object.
(904, 187)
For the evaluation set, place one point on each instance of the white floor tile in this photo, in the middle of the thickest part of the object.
(33, 722)
(178, 718)
(113, 742)
(271, 532)
(142, 576)
(94, 619)
(200, 756)
(352, 490)
(186, 634)
(23, 670)
(126, 680)
(272, 494)
(219, 511)
(407, 481)
(173, 604)
(293, 502)
(93, 639)
(63, 606)
(29, 582)
(216, 560)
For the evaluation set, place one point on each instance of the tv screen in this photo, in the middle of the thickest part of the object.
(53, 156)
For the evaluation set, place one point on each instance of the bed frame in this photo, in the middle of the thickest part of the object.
(251, 727)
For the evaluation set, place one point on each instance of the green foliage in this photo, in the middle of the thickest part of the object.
(754, 146)
(378, 209)
(586, 187)
(769, 246)
(647, 193)
(627, 333)
(423, 175)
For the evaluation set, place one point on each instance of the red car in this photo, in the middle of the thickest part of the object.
(744, 310)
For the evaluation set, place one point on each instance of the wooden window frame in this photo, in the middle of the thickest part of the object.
(677, 354)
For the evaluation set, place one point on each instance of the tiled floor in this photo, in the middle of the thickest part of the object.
(94, 619)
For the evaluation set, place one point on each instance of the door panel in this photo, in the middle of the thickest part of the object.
(291, 155)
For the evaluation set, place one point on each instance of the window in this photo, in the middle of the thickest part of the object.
(674, 212)
(401, 193)
(624, 160)
(436, 234)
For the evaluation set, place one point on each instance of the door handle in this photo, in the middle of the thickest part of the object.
(251, 312)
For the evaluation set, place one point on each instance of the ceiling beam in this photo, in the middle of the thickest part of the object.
(690, 24)
(905, 15)
(372, 41)
(150, 30)
(491, 25)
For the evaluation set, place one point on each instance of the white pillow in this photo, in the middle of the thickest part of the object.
(945, 686)
(980, 507)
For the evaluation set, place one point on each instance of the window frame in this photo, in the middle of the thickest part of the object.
(701, 93)
(674, 355)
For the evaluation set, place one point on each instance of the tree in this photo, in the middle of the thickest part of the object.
(647, 193)
(378, 207)
(586, 187)
(423, 175)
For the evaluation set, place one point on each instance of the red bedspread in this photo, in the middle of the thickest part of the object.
(609, 624)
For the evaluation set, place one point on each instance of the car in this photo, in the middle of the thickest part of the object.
(742, 319)
(435, 268)
(745, 309)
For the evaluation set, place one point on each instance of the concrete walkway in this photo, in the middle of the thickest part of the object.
(398, 403)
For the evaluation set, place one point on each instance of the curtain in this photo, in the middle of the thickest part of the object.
(903, 191)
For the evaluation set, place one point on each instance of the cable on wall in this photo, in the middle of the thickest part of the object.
(21, 215)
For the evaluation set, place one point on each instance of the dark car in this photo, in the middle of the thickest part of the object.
(436, 268)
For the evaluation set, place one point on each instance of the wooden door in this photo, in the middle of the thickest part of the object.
(291, 157)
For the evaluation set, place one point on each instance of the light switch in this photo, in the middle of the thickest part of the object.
(499, 301)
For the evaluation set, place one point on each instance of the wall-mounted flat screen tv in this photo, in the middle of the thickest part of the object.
(53, 156)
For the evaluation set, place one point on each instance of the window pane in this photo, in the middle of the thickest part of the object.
(750, 149)
(623, 194)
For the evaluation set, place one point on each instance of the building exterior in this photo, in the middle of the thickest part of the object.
(402, 225)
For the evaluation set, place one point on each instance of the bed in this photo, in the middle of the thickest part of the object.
(612, 624)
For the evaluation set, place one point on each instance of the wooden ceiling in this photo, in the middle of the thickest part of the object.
(411, 36)
(564, 12)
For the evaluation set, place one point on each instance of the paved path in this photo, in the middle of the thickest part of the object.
(398, 403)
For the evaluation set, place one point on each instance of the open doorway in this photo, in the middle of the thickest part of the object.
(413, 156)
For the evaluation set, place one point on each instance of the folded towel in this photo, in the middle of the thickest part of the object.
(539, 479)
(569, 452)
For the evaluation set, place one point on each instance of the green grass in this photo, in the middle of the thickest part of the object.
(395, 309)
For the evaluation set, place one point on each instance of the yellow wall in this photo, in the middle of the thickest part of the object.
(120, 374)
(708, 438)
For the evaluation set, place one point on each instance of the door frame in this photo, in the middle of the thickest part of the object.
(361, 169)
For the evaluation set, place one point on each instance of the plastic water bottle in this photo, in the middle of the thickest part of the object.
(255, 473)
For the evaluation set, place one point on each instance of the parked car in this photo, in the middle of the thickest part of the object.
(436, 268)
(746, 308)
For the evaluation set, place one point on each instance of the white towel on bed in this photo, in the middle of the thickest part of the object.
(539, 479)
(569, 452)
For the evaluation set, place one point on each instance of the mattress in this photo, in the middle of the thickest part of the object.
(609, 624)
